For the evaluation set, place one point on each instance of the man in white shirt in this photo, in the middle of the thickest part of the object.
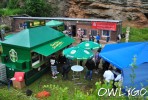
(108, 75)
(119, 79)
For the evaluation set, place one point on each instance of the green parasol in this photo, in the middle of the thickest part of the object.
(89, 45)
(77, 53)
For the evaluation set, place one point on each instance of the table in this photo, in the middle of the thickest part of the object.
(77, 69)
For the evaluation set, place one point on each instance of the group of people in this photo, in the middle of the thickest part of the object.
(92, 38)
(92, 64)
(112, 74)
(62, 61)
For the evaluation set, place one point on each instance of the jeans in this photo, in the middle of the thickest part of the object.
(88, 74)
(107, 39)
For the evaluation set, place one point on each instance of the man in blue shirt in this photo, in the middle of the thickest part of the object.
(98, 38)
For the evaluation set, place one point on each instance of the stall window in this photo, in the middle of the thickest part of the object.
(94, 32)
(106, 33)
(36, 58)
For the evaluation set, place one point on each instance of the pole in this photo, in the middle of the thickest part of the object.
(127, 34)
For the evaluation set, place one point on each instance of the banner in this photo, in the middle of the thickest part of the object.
(104, 25)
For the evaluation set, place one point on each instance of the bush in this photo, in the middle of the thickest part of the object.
(13, 94)
(38, 8)
(8, 12)
(3, 4)
(1, 12)
(13, 4)
(7, 28)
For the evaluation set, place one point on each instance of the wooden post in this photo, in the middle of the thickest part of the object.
(127, 34)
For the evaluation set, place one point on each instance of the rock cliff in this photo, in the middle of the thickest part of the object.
(126, 10)
(132, 10)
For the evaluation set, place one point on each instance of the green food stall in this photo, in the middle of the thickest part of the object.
(28, 51)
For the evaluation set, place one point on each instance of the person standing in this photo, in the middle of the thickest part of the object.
(90, 65)
(108, 36)
(65, 69)
(53, 63)
(92, 38)
(61, 59)
(89, 37)
(118, 38)
(98, 38)
(97, 61)
(79, 33)
(2, 34)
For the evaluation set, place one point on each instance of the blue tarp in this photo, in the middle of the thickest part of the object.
(121, 56)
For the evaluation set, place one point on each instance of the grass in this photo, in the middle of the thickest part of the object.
(136, 35)
(65, 89)
(58, 85)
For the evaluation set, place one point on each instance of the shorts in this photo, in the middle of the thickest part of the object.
(54, 69)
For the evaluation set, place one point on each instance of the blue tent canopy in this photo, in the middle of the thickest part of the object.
(121, 56)
(141, 79)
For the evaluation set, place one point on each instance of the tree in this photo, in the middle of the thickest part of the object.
(38, 8)
(13, 4)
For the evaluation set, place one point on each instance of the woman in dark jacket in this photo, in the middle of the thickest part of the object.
(90, 64)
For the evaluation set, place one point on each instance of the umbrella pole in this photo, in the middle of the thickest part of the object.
(77, 61)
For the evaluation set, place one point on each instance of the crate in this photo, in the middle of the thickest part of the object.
(3, 76)
(18, 85)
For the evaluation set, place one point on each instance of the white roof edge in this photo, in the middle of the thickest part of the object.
(68, 19)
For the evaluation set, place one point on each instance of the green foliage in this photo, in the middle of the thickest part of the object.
(38, 8)
(57, 93)
(8, 12)
(133, 75)
(3, 4)
(7, 28)
(13, 94)
(136, 34)
(60, 28)
(13, 4)
(1, 12)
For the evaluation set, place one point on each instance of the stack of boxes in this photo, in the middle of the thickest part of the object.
(18, 80)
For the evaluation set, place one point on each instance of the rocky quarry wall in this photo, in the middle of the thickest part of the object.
(132, 10)
(126, 10)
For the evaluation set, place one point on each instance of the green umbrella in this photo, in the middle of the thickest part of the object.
(77, 53)
(89, 45)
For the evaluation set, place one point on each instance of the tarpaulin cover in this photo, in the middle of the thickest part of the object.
(121, 56)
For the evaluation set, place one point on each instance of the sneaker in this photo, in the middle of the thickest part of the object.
(54, 77)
